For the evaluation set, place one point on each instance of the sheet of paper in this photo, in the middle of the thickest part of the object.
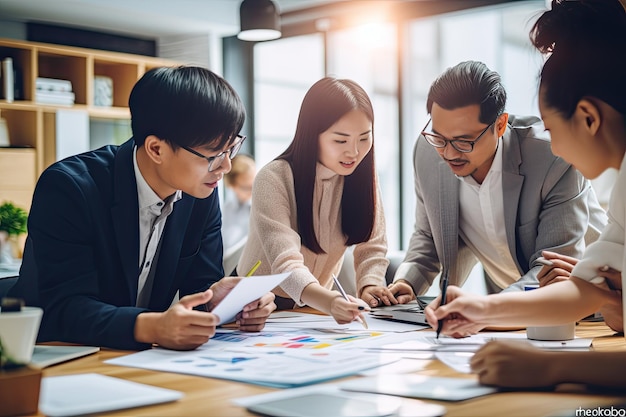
(247, 290)
(275, 368)
(402, 366)
(459, 361)
(83, 394)
(427, 341)
(297, 320)
(420, 386)
(482, 338)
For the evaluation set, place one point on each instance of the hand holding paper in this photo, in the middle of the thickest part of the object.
(235, 293)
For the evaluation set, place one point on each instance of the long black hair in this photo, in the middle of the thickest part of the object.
(327, 101)
(586, 43)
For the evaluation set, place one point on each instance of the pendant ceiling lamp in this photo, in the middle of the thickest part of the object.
(259, 20)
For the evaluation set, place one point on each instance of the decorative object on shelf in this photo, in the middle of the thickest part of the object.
(4, 133)
(259, 20)
(13, 221)
(102, 91)
(7, 79)
(53, 91)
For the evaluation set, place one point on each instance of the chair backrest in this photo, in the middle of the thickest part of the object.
(6, 284)
(395, 259)
(347, 273)
(232, 255)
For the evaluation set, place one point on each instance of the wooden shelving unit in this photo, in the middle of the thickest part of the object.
(31, 125)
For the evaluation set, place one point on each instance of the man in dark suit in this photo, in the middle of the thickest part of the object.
(115, 233)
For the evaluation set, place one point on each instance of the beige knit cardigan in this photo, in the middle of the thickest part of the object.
(274, 237)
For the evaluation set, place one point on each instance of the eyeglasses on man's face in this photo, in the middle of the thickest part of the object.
(461, 145)
(216, 161)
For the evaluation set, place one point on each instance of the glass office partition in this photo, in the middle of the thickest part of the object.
(283, 72)
(497, 36)
(368, 54)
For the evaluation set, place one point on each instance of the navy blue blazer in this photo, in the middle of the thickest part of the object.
(81, 260)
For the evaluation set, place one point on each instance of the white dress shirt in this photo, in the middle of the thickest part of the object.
(153, 213)
(481, 224)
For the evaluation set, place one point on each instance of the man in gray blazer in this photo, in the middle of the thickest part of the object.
(489, 190)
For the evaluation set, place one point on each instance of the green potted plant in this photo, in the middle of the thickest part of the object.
(13, 221)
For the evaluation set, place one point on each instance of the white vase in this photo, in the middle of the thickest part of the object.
(6, 249)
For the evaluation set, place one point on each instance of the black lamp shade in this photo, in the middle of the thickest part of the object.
(259, 20)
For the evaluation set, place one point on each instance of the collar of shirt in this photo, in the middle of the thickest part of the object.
(148, 199)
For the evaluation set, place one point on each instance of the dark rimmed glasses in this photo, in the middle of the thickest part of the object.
(216, 161)
(461, 145)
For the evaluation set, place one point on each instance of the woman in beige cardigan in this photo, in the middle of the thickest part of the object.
(318, 198)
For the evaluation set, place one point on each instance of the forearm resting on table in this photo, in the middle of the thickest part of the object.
(558, 303)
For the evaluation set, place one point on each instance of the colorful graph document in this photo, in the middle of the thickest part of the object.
(278, 359)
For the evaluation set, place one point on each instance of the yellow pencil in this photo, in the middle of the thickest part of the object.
(253, 269)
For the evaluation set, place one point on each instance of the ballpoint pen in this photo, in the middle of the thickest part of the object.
(444, 289)
(345, 297)
(254, 268)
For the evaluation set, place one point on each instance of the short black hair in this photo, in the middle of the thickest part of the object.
(468, 83)
(185, 106)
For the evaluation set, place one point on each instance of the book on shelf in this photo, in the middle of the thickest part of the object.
(54, 97)
(53, 85)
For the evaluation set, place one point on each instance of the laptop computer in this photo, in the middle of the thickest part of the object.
(47, 355)
(412, 312)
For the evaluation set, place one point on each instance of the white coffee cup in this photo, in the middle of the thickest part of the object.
(560, 332)
(18, 333)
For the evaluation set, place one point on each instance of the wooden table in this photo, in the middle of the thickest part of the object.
(211, 397)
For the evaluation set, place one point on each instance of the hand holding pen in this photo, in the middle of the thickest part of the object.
(556, 267)
(360, 317)
(444, 291)
(464, 314)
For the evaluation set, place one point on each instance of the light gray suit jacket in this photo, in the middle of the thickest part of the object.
(548, 204)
